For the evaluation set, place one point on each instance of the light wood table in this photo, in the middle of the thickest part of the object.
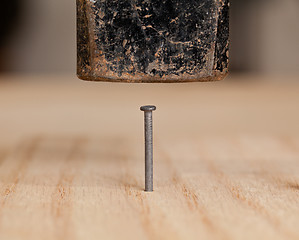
(226, 160)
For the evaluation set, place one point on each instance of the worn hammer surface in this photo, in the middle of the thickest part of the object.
(152, 40)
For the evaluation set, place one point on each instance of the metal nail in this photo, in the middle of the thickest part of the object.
(148, 134)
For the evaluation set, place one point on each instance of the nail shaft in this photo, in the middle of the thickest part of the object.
(148, 134)
(148, 127)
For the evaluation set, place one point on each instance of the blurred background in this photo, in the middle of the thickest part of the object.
(38, 36)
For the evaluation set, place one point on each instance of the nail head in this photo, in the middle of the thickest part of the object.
(148, 108)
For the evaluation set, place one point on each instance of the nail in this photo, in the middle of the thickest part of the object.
(148, 134)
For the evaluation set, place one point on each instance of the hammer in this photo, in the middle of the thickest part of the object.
(152, 40)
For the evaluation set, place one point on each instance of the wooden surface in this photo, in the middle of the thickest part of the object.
(71, 160)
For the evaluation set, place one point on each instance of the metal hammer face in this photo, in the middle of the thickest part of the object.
(152, 40)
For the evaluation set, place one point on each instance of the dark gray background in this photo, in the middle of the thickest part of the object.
(39, 36)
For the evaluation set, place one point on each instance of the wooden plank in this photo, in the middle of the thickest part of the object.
(59, 180)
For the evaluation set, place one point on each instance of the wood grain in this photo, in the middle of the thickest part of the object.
(71, 161)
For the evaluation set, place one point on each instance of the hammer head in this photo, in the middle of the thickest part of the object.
(152, 40)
